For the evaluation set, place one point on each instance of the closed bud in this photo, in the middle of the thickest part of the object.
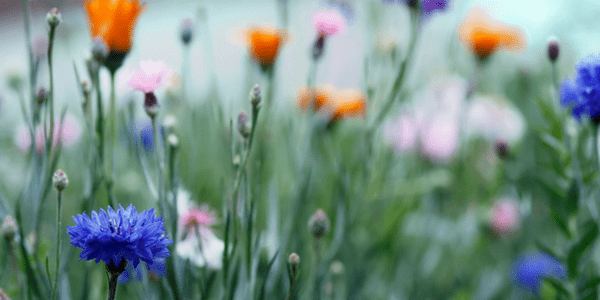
(31, 242)
(553, 49)
(319, 224)
(86, 88)
(53, 17)
(60, 180)
(9, 228)
(42, 96)
(318, 46)
(243, 124)
(255, 96)
(237, 161)
(99, 50)
(187, 31)
(169, 122)
(151, 105)
(294, 262)
(173, 141)
(502, 149)
(336, 268)
(15, 81)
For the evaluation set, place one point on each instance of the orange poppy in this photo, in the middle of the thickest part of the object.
(314, 97)
(483, 35)
(113, 21)
(264, 42)
(337, 103)
(348, 103)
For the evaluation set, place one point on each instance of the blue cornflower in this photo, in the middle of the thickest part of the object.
(124, 234)
(529, 270)
(143, 132)
(428, 7)
(582, 93)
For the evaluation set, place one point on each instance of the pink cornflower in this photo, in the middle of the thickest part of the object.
(69, 136)
(505, 216)
(197, 217)
(329, 22)
(150, 76)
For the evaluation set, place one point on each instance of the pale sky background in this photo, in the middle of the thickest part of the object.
(156, 37)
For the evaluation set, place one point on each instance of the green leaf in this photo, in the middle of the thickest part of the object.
(579, 248)
(263, 288)
(561, 222)
(572, 198)
(591, 284)
(556, 285)
(547, 249)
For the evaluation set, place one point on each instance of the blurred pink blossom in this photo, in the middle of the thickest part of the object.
(433, 126)
(505, 216)
(495, 119)
(69, 136)
(150, 76)
(329, 22)
(197, 217)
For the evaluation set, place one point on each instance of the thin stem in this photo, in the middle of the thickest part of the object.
(110, 173)
(402, 72)
(26, 17)
(159, 165)
(58, 223)
(112, 285)
(51, 92)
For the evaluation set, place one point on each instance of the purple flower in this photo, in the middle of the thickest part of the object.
(529, 270)
(582, 93)
(428, 7)
(124, 234)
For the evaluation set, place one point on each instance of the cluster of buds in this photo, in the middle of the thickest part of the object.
(60, 180)
(319, 224)
(9, 228)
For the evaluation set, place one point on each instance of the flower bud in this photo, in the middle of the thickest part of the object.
(255, 96)
(319, 224)
(502, 149)
(237, 161)
(99, 50)
(42, 96)
(169, 122)
(30, 242)
(336, 268)
(553, 49)
(294, 262)
(243, 124)
(187, 31)
(60, 180)
(53, 17)
(151, 105)
(9, 228)
(15, 81)
(173, 141)
(318, 46)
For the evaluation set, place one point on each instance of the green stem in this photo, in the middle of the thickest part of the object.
(26, 17)
(110, 173)
(51, 92)
(58, 223)
(402, 72)
(113, 279)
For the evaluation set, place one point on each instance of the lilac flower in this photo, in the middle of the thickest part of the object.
(124, 234)
(582, 93)
(529, 270)
(427, 7)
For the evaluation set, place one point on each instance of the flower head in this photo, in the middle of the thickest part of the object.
(68, 136)
(329, 22)
(264, 42)
(428, 7)
(111, 236)
(198, 217)
(505, 216)
(529, 270)
(150, 76)
(582, 93)
(483, 35)
(113, 21)
(338, 104)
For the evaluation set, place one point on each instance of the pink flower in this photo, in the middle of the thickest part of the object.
(439, 138)
(198, 217)
(329, 22)
(150, 76)
(69, 136)
(505, 216)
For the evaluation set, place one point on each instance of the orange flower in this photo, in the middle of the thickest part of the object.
(484, 35)
(314, 97)
(264, 42)
(337, 103)
(113, 21)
